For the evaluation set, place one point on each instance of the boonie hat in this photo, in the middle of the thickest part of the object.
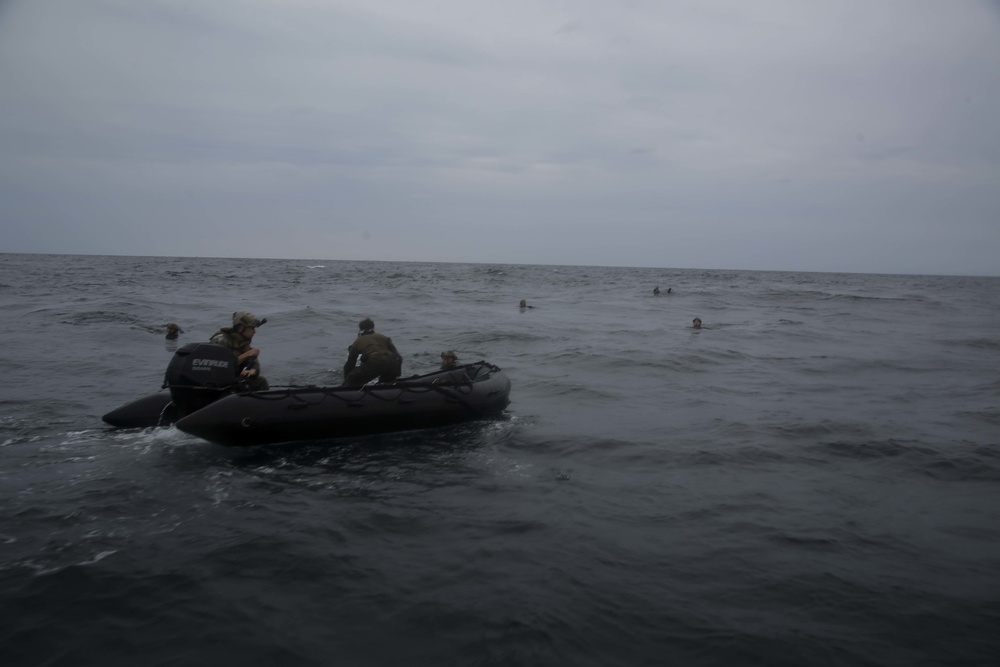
(247, 319)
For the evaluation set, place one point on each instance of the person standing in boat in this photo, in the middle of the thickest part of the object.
(379, 357)
(238, 338)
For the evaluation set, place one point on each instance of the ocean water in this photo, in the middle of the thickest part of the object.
(813, 478)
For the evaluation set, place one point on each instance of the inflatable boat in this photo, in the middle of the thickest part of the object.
(205, 399)
(197, 375)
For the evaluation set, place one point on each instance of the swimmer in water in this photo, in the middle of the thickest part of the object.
(448, 360)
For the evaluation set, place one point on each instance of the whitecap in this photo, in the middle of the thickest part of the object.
(99, 556)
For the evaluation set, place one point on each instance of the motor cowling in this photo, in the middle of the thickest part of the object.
(200, 373)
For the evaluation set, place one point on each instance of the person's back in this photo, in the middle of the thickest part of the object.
(371, 343)
(379, 357)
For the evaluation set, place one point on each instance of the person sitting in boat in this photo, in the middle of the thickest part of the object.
(379, 357)
(448, 360)
(173, 331)
(238, 338)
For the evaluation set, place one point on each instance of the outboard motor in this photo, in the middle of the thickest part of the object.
(199, 374)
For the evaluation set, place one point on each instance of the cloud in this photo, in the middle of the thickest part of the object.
(715, 134)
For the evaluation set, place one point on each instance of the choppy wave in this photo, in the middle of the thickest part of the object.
(809, 479)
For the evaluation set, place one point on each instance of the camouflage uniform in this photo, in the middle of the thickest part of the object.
(238, 344)
(379, 358)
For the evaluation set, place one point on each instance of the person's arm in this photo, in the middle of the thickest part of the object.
(398, 358)
(252, 352)
(352, 358)
(247, 362)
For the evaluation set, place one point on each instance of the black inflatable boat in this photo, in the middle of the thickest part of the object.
(205, 399)
(198, 374)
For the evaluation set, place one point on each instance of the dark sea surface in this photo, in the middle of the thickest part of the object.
(811, 479)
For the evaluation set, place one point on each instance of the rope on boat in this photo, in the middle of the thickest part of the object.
(452, 389)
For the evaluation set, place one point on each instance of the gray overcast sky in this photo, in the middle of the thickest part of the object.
(839, 135)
